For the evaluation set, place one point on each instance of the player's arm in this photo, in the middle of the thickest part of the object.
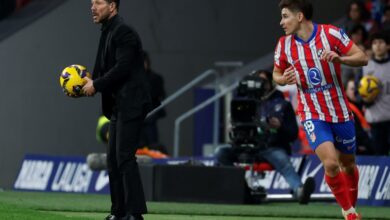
(284, 77)
(355, 57)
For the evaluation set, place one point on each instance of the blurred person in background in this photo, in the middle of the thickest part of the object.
(279, 115)
(119, 76)
(377, 112)
(359, 36)
(385, 26)
(150, 134)
(362, 128)
(357, 13)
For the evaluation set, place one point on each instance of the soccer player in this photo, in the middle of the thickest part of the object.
(310, 56)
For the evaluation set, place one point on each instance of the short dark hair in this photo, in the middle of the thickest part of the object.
(298, 6)
(117, 2)
(379, 36)
(359, 27)
(365, 14)
(267, 73)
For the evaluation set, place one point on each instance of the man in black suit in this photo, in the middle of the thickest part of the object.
(119, 76)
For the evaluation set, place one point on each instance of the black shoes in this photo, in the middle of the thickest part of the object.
(127, 217)
(110, 217)
(304, 192)
(136, 217)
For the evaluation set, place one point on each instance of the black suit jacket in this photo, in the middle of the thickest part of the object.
(119, 73)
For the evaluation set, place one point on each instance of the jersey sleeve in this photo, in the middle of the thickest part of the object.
(340, 41)
(280, 59)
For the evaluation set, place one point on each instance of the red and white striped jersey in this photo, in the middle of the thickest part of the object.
(320, 90)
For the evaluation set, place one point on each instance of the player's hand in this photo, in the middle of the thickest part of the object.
(88, 88)
(274, 122)
(289, 76)
(330, 56)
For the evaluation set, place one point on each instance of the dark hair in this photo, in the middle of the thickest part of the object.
(267, 73)
(117, 2)
(364, 13)
(379, 36)
(359, 27)
(298, 6)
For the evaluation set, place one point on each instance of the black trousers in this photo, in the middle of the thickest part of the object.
(127, 195)
(381, 137)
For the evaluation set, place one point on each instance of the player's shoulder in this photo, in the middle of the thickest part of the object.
(328, 28)
(283, 38)
(333, 30)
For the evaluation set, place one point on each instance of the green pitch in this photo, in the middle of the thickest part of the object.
(58, 206)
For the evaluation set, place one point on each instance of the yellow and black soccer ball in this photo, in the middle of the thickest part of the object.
(72, 80)
(369, 88)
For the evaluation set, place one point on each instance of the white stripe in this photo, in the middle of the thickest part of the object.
(335, 81)
(335, 33)
(342, 37)
(277, 53)
(327, 96)
(313, 96)
(299, 85)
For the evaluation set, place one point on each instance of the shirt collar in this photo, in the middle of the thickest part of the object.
(313, 34)
(106, 24)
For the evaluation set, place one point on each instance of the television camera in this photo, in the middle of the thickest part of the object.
(249, 132)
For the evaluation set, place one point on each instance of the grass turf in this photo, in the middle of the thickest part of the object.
(59, 206)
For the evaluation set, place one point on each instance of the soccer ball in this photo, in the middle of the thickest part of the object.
(72, 80)
(369, 88)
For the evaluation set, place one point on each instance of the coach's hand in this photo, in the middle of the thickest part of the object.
(289, 76)
(88, 88)
(330, 56)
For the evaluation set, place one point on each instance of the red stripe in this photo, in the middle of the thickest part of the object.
(310, 64)
(298, 66)
(282, 58)
(329, 78)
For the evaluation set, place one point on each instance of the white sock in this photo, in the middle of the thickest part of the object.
(349, 211)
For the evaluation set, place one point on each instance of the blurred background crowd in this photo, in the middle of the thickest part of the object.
(367, 23)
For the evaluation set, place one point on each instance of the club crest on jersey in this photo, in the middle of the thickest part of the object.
(314, 76)
(344, 37)
(319, 53)
(313, 137)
